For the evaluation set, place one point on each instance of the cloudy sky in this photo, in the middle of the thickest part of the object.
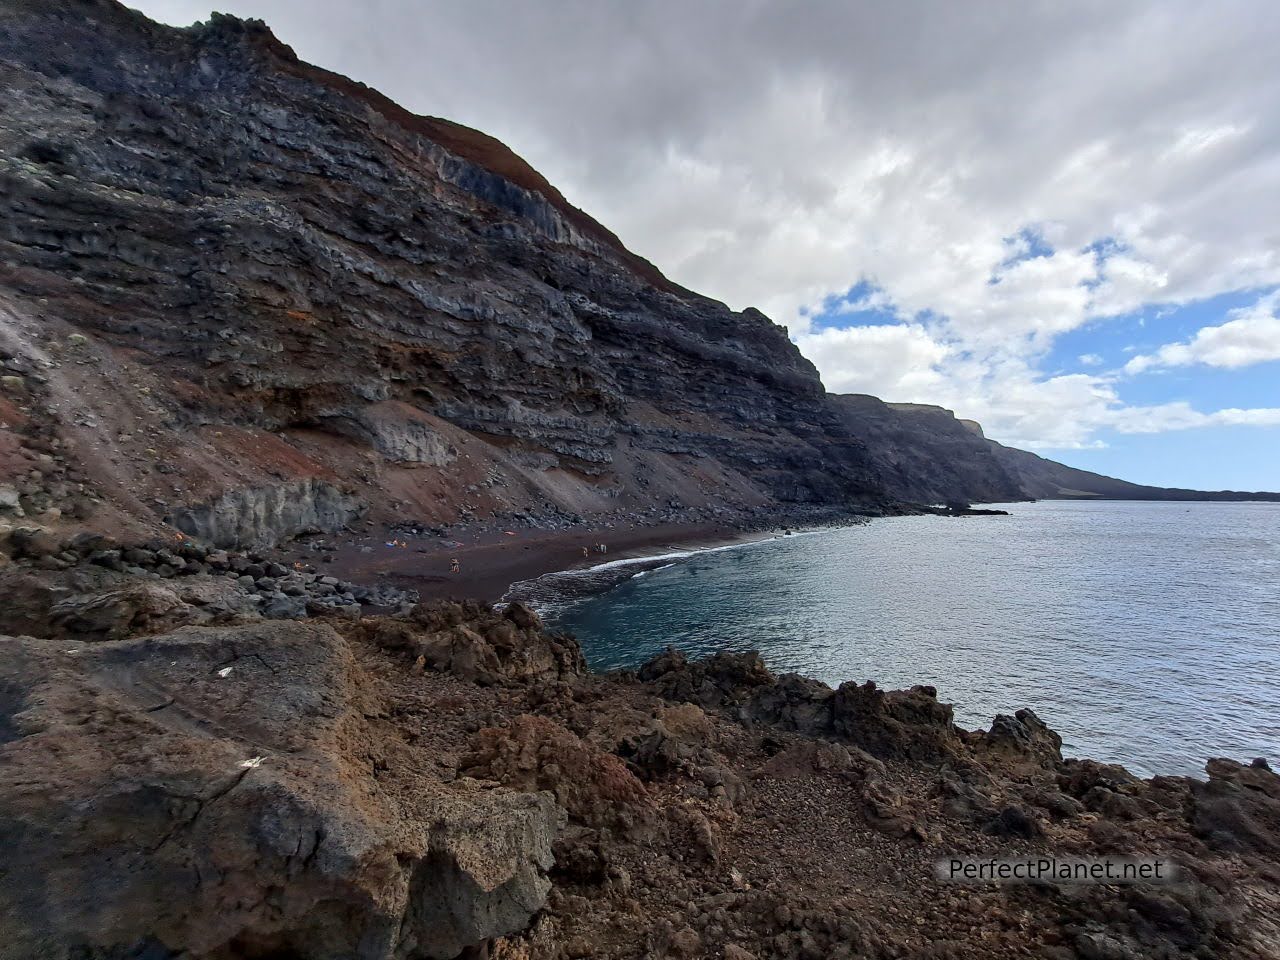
(1062, 220)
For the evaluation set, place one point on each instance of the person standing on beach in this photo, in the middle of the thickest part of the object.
(455, 565)
(586, 554)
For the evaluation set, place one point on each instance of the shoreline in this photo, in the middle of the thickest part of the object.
(492, 563)
(559, 588)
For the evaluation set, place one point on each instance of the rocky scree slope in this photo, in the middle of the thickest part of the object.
(452, 783)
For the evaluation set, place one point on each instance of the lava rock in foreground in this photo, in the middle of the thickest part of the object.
(452, 782)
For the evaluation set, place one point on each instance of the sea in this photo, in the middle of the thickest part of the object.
(1146, 634)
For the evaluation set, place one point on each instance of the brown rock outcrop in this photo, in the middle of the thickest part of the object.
(1022, 742)
(215, 792)
(534, 753)
(282, 789)
(1238, 809)
(475, 643)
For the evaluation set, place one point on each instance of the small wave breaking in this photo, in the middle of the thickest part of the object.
(552, 593)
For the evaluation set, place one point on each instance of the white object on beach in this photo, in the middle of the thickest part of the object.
(224, 672)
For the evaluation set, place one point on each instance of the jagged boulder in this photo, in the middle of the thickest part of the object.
(133, 610)
(720, 679)
(1085, 778)
(92, 603)
(33, 543)
(478, 644)
(678, 739)
(900, 724)
(793, 703)
(26, 601)
(211, 793)
(535, 753)
(1238, 809)
(1022, 743)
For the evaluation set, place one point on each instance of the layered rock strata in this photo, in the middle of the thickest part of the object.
(247, 297)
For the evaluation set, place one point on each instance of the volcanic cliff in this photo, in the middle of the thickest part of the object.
(246, 297)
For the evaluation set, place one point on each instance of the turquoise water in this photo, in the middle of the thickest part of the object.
(1145, 633)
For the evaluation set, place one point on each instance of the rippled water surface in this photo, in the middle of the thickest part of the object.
(1145, 633)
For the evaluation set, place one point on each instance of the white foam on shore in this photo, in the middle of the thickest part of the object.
(554, 592)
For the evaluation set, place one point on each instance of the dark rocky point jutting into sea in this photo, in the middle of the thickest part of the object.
(276, 352)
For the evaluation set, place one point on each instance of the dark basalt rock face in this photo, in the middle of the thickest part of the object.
(286, 253)
(927, 455)
(225, 272)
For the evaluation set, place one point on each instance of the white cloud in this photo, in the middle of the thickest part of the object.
(1089, 360)
(774, 155)
(1006, 394)
(892, 361)
(1252, 335)
(1181, 416)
